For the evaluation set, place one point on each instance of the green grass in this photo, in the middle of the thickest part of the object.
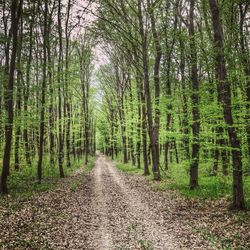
(91, 163)
(128, 168)
(209, 186)
(23, 183)
(212, 187)
(177, 178)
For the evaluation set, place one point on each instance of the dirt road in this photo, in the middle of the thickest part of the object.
(102, 210)
(125, 219)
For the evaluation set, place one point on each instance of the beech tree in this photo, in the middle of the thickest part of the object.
(39, 86)
(224, 90)
(169, 94)
(10, 66)
(186, 121)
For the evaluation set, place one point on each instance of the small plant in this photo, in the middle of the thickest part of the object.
(121, 247)
(90, 164)
(132, 227)
(74, 187)
(145, 245)
(207, 235)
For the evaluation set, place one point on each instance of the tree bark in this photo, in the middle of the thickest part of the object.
(195, 101)
(157, 63)
(18, 96)
(139, 123)
(68, 110)
(246, 65)
(43, 95)
(16, 9)
(59, 69)
(225, 97)
(27, 91)
(153, 131)
(185, 123)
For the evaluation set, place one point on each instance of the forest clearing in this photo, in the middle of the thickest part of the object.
(124, 124)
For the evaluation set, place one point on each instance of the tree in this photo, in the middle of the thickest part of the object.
(16, 9)
(224, 90)
(195, 101)
(43, 94)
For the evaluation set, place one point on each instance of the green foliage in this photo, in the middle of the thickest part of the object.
(90, 164)
(177, 178)
(128, 168)
(210, 187)
(23, 183)
(145, 244)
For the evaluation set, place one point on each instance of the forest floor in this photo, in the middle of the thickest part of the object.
(107, 209)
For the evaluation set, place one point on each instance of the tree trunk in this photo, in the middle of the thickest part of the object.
(144, 135)
(123, 130)
(224, 89)
(195, 102)
(185, 123)
(26, 92)
(60, 135)
(16, 9)
(139, 123)
(18, 97)
(68, 111)
(246, 65)
(51, 104)
(131, 142)
(153, 131)
(43, 95)
(156, 127)
(86, 122)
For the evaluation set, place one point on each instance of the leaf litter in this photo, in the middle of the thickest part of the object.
(107, 209)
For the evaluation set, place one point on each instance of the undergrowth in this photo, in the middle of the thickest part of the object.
(23, 183)
(128, 168)
(177, 178)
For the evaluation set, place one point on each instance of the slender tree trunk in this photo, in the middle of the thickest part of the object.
(185, 123)
(246, 65)
(51, 111)
(87, 127)
(139, 123)
(153, 131)
(131, 142)
(26, 92)
(166, 149)
(144, 136)
(68, 111)
(225, 97)
(123, 130)
(156, 127)
(220, 142)
(18, 97)
(16, 9)
(59, 70)
(168, 90)
(51, 104)
(176, 152)
(195, 102)
(43, 95)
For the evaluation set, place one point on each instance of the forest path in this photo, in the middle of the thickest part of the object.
(103, 209)
(125, 219)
